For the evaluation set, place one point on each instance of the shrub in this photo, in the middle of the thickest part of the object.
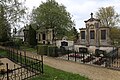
(52, 51)
(42, 49)
(7, 43)
(18, 43)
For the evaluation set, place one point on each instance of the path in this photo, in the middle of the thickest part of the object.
(92, 72)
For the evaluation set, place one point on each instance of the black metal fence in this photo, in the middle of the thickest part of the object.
(100, 58)
(25, 67)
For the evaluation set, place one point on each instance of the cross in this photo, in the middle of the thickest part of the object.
(91, 15)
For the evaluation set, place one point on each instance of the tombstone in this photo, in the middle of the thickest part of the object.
(83, 50)
(99, 52)
(64, 43)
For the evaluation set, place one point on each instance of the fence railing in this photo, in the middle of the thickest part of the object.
(100, 58)
(28, 67)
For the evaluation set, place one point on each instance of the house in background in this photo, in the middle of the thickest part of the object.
(47, 37)
(20, 34)
(94, 36)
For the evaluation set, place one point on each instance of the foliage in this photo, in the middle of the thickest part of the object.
(11, 12)
(50, 14)
(42, 49)
(55, 74)
(73, 34)
(14, 10)
(18, 43)
(52, 51)
(4, 26)
(115, 35)
(3, 53)
(108, 16)
(32, 37)
(48, 50)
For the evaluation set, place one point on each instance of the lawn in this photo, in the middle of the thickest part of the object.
(28, 49)
(53, 74)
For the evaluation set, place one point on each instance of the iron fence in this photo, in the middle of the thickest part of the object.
(100, 58)
(28, 67)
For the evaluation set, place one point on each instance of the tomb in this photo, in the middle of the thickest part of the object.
(94, 34)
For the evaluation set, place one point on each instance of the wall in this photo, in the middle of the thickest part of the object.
(70, 43)
(91, 49)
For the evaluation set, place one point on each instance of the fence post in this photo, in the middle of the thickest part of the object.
(7, 71)
(83, 57)
(75, 56)
(20, 58)
(17, 55)
(15, 72)
(25, 57)
(68, 54)
(42, 62)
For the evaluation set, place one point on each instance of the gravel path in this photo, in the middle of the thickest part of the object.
(92, 72)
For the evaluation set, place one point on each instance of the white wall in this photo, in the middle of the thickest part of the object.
(70, 43)
(92, 48)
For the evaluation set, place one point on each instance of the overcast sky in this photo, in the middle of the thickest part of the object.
(79, 9)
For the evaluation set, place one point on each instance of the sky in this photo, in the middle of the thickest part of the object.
(79, 9)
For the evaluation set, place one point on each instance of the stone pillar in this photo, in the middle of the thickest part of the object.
(87, 37)
(97, 38)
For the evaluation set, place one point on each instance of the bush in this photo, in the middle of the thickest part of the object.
(7, 43)
(48, 50)
(52, 51)
(63, 50)
(42, 49)
(18, 43)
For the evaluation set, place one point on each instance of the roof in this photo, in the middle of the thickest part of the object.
(91, 19)
(82, 28)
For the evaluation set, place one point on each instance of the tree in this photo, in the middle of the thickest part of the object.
(13, 11)
(50, 14)
(73, 34)
(31, 36)
(115, 35)
(109, 18)
(4, 26)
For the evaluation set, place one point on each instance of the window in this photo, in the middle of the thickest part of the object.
(103, 34)
(43, 36)
(39, 37)
(82, 34)
(92, 34)
(97, 25)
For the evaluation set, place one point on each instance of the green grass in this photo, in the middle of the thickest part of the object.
(3, 53)
(55, 74)
(28, 49)
(52, 73)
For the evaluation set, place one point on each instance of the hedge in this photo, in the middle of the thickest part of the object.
(42, 49)
(48, 50)
(52, 51)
